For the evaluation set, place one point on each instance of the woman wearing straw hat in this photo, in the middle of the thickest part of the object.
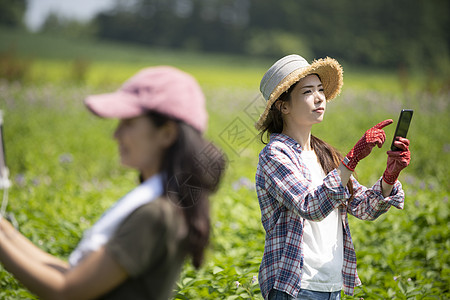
(137, 248)
(305, 187)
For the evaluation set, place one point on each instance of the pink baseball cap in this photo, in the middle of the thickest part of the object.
(166, 90)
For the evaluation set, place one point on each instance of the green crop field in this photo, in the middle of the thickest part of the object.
(65, 172)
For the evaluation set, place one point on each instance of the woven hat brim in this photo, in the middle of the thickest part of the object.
(331, 75)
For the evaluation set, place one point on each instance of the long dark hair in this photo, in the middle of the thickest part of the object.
(329, 157)
(192, 168)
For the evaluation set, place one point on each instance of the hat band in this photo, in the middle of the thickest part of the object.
(285, 67)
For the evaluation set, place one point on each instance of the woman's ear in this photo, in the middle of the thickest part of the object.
(168, 133)
(282, 106)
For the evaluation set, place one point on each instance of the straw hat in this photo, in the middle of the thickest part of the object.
(289, 70)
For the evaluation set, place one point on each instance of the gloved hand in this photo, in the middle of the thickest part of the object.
(397, 160)
(373, 136)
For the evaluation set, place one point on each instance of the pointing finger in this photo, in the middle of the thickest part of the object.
(383, 124)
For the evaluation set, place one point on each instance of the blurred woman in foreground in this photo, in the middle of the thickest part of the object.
(137, 248)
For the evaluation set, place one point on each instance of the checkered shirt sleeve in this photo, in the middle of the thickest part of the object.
(369, 203)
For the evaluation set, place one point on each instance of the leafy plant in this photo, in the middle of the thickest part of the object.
(65, 171)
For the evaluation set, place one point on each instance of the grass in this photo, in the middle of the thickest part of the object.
(112, 63)
(52, 59)
(63, 164)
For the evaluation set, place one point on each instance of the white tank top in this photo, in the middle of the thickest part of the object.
(323, 246)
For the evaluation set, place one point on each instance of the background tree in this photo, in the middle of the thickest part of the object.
(12, 12)
(386, 34)
(55, 24)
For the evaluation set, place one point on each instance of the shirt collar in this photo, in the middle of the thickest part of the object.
(280, 137)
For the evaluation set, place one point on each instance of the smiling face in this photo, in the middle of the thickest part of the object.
(306, 105)
(142, 144)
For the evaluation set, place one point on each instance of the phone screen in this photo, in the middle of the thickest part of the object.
(402, 126)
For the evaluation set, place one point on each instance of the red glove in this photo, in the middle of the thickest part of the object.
(397, 160)
(373, 136)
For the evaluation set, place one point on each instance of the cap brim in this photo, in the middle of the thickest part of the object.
(119, 105)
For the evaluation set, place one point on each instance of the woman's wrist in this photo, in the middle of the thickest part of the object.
(386, 188)
(344, 173)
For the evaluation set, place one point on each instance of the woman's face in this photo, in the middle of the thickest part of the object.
(142, 144)
(307, 103)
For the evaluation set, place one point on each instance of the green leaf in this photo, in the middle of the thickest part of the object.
(187, 281)
(217, 269)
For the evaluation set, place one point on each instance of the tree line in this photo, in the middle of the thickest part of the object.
(382, 33)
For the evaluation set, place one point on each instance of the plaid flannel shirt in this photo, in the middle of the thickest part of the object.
(286, 199)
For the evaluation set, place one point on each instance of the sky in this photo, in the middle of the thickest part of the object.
(38, 10)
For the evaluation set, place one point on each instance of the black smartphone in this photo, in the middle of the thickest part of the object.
(402, 126)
